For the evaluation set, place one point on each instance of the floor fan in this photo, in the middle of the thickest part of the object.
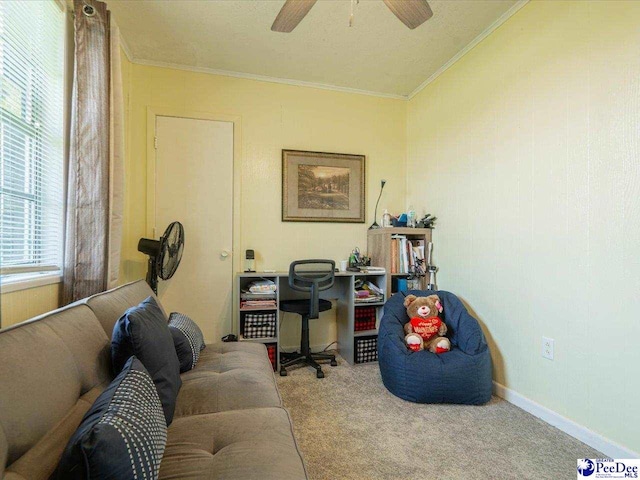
(164, 254)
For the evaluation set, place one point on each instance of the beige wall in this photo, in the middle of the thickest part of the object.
(527, 151)
(273, 117)
(24, 304)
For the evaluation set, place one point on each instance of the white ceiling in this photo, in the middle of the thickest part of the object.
(378, 54)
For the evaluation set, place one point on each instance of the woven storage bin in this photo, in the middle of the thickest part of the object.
(259, 325)
(365, 318)
(272, 351)
(366, 349)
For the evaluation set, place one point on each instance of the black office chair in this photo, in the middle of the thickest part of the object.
(314, 276)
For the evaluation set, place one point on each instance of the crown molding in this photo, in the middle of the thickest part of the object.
(264, 78)
(503, 18)
(125, 47)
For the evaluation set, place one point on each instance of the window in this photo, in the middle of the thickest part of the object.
(31, 138)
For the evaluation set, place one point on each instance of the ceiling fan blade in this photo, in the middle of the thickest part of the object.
(291, 14)
(412, 13)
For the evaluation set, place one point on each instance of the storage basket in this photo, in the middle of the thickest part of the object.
(272, 351)
(365, 318)
(259, 325)
(366, 349)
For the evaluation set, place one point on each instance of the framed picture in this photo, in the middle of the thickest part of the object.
(322, 187)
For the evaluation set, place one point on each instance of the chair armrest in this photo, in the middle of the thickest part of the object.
(469, 337)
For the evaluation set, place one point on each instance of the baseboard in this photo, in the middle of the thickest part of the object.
(595, 440)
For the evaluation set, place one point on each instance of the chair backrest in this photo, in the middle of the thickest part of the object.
(312, 276)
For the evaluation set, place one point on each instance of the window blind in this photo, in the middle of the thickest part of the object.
(31, 137)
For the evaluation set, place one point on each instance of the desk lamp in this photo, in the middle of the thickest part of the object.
(375, 213)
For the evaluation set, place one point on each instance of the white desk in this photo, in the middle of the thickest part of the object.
(342, 292)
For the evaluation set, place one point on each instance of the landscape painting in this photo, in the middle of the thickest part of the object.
(322, 187)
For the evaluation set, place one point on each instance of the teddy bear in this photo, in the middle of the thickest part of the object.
(425, 329)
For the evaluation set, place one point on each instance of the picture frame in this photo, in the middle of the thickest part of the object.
(323, 187)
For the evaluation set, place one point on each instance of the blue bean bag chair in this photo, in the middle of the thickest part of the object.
(462, 375)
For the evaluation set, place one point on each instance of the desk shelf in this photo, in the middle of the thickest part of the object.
(258, 340)
(345, 308)
(271, 343)
(364, 333)
(257, 309)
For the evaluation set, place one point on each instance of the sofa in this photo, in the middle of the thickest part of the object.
(229, 420)
(462, 375)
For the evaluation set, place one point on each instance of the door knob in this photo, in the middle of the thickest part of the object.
(225, 253)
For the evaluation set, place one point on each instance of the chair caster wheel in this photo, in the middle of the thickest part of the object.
(334, 363)
(319, 373)
(283, 372)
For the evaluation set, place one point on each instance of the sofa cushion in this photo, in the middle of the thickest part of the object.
(235, 389)
(4, 450)
(89, 345)
(187, 340)
(46, 365)
(40, 461)
(222, 357)
(243, 444)
(143, 331)
(110, 305)
(123, 435)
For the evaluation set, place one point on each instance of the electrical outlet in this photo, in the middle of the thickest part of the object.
(547, 348)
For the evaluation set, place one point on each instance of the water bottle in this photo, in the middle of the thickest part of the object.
(411, 217)
(386, 219)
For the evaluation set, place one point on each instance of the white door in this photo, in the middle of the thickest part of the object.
(194, 185)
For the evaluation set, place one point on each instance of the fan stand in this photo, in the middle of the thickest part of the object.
(152, 275)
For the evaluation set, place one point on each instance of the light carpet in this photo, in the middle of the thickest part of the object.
(350, 427)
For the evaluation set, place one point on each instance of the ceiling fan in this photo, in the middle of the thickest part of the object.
(412, 13)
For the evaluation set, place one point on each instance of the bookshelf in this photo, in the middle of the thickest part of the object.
(383, 254)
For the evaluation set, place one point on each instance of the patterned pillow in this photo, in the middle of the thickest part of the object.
(123, 435)
(187, 339)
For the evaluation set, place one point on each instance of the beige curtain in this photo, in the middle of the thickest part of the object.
(94, 187)
(116, 161)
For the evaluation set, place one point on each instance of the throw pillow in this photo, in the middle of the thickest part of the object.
(143, 331)
(187, 339)
(122, 436)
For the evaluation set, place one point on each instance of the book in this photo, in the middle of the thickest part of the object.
(394, 255)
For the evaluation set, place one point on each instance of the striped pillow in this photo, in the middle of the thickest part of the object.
(187, 339)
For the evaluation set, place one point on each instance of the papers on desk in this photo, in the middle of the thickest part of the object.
(259, 294)
(368, 292)
(257, 304)
(370, 299)
(262, 286)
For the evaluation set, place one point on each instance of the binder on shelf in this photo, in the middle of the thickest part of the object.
(394, 255)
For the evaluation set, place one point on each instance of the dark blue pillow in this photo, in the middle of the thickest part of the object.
(143, 331)
(122, 436)
(187, 339)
